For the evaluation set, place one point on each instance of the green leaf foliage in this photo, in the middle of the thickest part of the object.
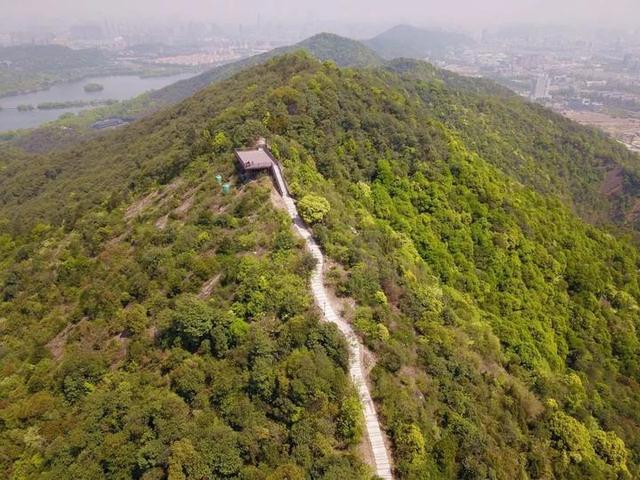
(313, 208)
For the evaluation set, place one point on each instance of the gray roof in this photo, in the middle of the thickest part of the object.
(255, 159)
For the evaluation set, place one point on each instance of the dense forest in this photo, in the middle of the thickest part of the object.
(154, 327)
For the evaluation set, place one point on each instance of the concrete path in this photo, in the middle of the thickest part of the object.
(356, 365)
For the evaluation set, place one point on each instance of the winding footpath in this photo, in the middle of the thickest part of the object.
(356, 365)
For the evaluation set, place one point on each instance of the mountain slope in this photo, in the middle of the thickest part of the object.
(504, 326)
(406, 41)
(171, 334)
(593, 174)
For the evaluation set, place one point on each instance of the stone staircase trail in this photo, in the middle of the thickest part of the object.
(356, 365)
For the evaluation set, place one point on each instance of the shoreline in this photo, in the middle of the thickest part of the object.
(115, 73)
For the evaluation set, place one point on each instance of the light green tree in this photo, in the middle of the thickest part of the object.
(135, 319)
(185, 462)
(221, 143)
(192, 319)
(313, 208)
(350, 421)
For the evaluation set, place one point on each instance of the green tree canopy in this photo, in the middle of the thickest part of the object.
(313, 208)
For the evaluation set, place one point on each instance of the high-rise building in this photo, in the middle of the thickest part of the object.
(541, 87)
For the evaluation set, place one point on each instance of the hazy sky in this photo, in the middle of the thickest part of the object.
(461, 13)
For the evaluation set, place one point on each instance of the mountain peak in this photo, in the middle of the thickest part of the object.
(411, 41)
(345, 52)
(326, 36)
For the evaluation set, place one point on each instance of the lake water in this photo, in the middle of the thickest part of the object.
(120, 87)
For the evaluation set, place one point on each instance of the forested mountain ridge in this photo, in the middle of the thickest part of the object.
(50, 57)
(505, 327)
(597, 177)
(27, 67)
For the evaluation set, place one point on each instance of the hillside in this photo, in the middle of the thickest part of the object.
(596, 177)
(153, 325)
(593, 174)
(406, 41)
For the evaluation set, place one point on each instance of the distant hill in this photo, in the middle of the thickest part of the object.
(343, 51)
(413, 42)
(26, 68)
(50, 58)
(33, 67)
(324, 46)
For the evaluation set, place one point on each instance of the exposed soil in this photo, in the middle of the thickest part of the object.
(613, 182)
(58, 343)
(208, 287)
(161, 223)
(136, 208)
(187, 202)
(120, 344)
(634, 213)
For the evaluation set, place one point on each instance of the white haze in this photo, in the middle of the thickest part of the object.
(452, 13)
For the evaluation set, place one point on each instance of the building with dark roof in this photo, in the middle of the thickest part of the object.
(258, 158)
(254, 159)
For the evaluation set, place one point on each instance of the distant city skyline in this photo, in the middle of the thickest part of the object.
(452, 13)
